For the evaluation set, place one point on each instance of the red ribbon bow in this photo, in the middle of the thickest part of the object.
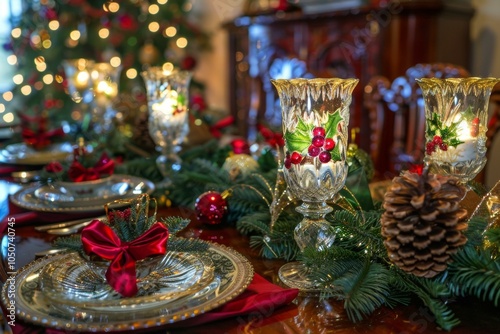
(215, 129)
(78, 173)
(272, 138)
(41, 138)
(99, 239)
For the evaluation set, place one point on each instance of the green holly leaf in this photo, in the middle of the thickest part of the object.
(332, 124)
(433, 125)
(300, 139)
(454, 142)
(181, 99)
(446, 133)
(336, 153)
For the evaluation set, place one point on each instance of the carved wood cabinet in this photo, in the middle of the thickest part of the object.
(361, 42)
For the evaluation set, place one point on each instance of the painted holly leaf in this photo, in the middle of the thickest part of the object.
(434, 124)
(181, 99)
(332, 124)
(448, 134)
(336, 153)
(300, 139)
(454, 142)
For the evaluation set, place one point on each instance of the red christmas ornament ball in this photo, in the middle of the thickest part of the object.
(210, 208)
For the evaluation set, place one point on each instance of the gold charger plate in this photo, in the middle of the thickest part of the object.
(232, 274)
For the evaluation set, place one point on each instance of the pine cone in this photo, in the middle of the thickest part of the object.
(423, 224)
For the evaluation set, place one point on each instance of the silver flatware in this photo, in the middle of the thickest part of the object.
(25, 176)
(49, 252)
(68, 230)
(44, 228)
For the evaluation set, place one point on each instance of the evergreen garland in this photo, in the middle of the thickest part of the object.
(359, 271)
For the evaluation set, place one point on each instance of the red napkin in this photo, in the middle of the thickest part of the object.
(260, 295)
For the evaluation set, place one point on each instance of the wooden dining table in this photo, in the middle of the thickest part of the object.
(306, 314)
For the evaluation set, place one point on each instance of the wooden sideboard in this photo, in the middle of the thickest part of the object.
(360, 42)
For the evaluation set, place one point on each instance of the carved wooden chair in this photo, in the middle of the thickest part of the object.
(397, 117)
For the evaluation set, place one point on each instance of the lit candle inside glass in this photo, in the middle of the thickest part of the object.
(82, 80)
(167, 105)
(465, 151)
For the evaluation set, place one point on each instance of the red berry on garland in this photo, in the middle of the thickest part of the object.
(443, 147)
(437, 140)
(318, 141)
(329, 144)
(313, 151)
(325, 157)
(210, 207)
(296, 158)
(319, 131)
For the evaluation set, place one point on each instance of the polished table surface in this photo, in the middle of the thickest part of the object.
(308, 314)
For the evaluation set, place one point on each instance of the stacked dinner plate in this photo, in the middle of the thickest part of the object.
(63, 291)
(76, 197)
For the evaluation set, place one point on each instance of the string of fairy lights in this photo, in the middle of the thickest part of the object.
(41, 40)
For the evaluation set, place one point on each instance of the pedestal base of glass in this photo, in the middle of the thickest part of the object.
(168, 166)
(295, 276)
(312, 231)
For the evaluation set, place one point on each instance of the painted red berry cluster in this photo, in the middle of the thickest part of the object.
(437, 142)
(320, 147)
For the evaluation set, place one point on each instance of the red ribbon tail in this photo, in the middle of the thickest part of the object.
(121, 275)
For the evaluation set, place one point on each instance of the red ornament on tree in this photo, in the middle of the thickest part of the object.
(210, 207)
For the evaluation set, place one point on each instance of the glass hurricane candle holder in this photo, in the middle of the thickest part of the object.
(77, 73)
(315, 116)
(95, 85)
(456, 112)
(105, 79)
(168, 97)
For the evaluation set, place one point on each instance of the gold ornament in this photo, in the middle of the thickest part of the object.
(240, 164)
(357, 157)
(148, 54)
(423, 222)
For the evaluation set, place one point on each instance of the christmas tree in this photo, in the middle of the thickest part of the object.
(131, 34)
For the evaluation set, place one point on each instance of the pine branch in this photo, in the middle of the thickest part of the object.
(187, 245)
(430, 292)
(278, 243)
(175, 224)
(141, 167)
(350, 276)
(492, 237)
(267, 161)
(474, 272)
(255, 222)
(72, 242)
(359, 231)
(474, 233)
